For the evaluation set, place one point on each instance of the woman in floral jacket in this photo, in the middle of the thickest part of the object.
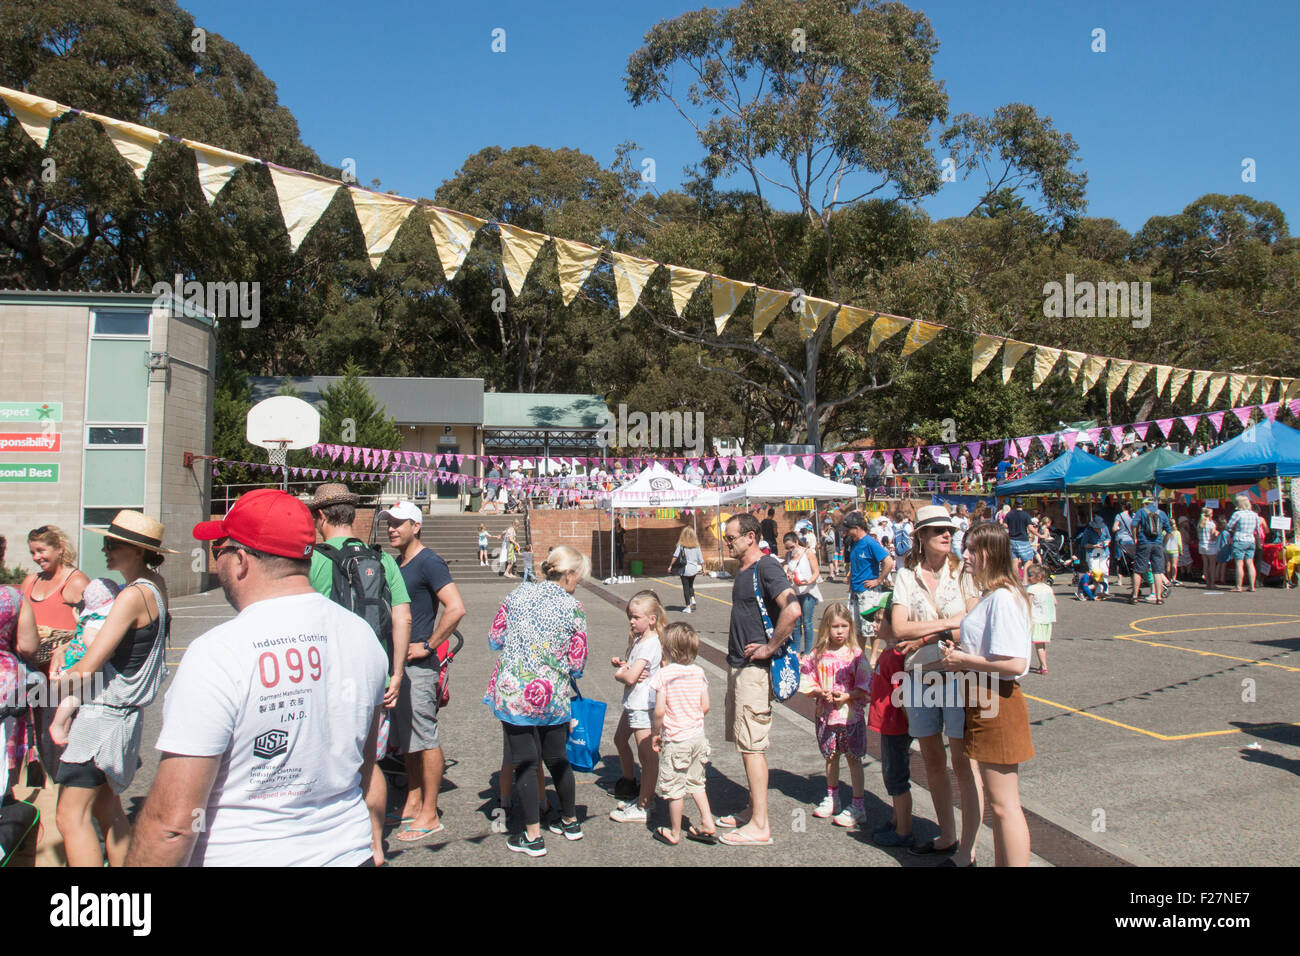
(541, 631)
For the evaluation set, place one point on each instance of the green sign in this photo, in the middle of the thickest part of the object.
(31, 412)
(29, 473)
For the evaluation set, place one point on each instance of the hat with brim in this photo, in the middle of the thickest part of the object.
(332, 494)
(886, 598)
(135, 528)
(934, 516)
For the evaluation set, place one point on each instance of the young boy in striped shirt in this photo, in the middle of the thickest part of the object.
(681, 701)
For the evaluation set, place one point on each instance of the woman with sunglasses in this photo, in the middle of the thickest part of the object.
(103, 751)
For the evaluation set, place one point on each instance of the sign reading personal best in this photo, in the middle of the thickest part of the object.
(31, 412)
(28, 473)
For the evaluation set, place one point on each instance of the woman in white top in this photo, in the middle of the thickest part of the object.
(802, 569)
(931, 597)
(995, 640)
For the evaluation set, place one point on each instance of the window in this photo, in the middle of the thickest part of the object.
(115, 435)
(103, 517)
(121, 322)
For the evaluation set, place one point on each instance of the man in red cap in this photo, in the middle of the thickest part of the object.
(269, 726)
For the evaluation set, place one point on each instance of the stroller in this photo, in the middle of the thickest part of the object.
(390, 762)
(1056, 557)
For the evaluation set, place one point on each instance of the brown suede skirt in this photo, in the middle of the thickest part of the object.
(1001, 737)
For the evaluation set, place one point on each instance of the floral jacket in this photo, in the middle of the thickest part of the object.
(541, 631)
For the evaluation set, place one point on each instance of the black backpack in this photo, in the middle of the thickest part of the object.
(360, 585)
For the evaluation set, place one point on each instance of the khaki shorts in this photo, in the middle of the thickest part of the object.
(681, 767)
(749, 708)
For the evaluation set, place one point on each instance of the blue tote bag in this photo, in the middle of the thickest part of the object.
(584, 736)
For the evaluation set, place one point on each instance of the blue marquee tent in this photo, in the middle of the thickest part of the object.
(1265, 450)
(1075, 465)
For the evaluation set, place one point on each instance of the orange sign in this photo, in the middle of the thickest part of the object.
(29, 441)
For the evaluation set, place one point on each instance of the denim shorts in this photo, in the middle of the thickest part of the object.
(1150, 556)
(1022, 550)
(927, 721)
(1243, 552)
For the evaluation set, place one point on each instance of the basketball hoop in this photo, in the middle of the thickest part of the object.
(278, 451)
(280, 424)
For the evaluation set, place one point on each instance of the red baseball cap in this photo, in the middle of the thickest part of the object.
(267, 520)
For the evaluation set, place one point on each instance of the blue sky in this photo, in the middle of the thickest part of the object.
(1184, 92)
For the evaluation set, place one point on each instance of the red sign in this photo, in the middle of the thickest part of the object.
(29, 441)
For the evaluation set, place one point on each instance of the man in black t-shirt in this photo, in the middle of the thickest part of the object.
(749, 684)
(415, 719)
(1022, 549)
(769, 528)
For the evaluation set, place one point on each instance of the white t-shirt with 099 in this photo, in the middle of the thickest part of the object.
(998, 626)
(284, 693)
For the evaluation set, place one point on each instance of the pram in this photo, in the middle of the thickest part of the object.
(1054, 556)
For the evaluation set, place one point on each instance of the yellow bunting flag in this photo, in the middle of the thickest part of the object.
(215, 166)
(574, 262)
(1199, 380)
(1093, 366)
(986, 346)
(135, 143)
(920, 334)
(1012, 353)
(453, 233)
(1136, 374)
(1236, 383)
(34, 113)
(1177, 378)
(1044, 359)
(1292, 389)
(630, 276)
(1118, 369)
(1162, 376)
(303, 200)
(1217, 381)
(1073, 363)
(814, 310)
(682, 283)
(380, 217)
(883, 328)
(768, 304)
(1266, 388)
(519, 249)
(727, 294)
(850, 319)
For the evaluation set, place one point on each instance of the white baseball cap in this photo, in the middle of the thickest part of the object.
(403, 511)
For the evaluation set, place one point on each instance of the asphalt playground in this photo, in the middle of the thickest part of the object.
(1165, 735)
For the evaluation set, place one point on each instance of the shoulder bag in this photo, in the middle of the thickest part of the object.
(785, 662)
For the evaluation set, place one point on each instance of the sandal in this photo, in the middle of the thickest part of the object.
(661, 834)
(730, 822)
(707, 837)
(416, 834)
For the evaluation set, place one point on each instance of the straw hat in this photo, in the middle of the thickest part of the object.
(934, 516)
(137, 529)
(332, 494)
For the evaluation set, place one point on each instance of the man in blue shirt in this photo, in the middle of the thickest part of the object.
(1150, 525)
(869, 568)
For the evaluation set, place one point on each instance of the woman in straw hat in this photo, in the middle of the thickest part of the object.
(120, 674)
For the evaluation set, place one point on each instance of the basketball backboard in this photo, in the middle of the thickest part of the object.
(283, 422)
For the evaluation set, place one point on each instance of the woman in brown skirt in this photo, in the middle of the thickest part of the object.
(994, 652)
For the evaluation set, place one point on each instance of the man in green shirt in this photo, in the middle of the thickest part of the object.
(334, 508)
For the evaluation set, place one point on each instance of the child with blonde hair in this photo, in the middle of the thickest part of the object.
(1042, 614)
(646, 622)
(681, 701)
(837, 676)
(97, 601)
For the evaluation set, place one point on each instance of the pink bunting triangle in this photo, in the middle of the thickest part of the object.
(829, 459)
(1294, 406)
(1215, 419)
(1166, 425)
(1243, 414)
(1048, 441)
(908, 454)
(1023, 445)
(1141, 428)
(975, 447)
(807, 461)
(1094, 435)
(1117, 434)
(954, 452)
(1071, 438)
(1190, 422)
(1270, 410)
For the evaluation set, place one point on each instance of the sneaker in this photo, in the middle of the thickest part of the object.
(626, 789)
(632, 813)
(1152, 599)
(829, 806)
(519, 843)
(686, 610)
(570, 831)
(883, 828)
(850, 816)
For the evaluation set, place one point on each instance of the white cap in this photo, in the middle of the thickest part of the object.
(403, 511)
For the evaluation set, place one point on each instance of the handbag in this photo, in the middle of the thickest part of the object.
(51, 640)
(586, 723)
(784, 672)
(679, 562)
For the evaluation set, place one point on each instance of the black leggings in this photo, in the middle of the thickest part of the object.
(688, 589)
(526, 745)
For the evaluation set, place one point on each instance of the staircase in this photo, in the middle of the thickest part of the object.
(455, 538)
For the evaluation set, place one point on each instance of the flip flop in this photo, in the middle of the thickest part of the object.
(393, 818)
(708, 838)
(735, 839)
(659, 835)
(419, 832)
(730, 822)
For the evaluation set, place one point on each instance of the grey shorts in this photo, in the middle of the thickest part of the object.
(415, 718)
(1150, 557)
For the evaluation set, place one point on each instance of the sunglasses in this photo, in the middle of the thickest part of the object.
(733, 537)
(43, 529)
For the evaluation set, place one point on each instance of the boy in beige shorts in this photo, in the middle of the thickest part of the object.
(681, 691)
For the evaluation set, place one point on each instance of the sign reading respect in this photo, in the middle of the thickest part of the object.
(31, 411)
